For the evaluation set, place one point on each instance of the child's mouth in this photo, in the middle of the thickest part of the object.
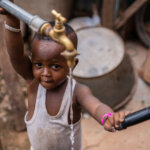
(49, 81)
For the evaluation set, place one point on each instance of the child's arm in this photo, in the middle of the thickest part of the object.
(97, 109)
(15, 48)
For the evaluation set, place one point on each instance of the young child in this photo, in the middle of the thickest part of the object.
(48, 117)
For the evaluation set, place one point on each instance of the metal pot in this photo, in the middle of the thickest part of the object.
(104, 66)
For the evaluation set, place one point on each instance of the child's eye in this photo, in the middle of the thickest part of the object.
(56, 66)
(38, 65)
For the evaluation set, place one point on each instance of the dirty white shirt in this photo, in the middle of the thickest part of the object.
(48, 132)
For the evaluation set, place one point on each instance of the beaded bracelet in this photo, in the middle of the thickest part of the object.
(12, 29)
(104, 117)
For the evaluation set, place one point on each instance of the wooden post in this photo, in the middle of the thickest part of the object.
(108, 13)
(13, 85)
(128, 13)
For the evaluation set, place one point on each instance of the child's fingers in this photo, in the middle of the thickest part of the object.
(112, 129)
(118, 117)
(108, 126)
(2, 11)
(127, 113)
(111, 120)
(116, 120)
(122, 116)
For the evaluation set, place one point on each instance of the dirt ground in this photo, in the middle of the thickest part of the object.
(94, 136)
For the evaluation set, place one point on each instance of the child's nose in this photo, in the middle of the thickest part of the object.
(46, 72)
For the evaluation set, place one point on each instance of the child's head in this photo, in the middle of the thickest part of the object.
(49, 66)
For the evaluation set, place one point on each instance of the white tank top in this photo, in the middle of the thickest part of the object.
(48, 132)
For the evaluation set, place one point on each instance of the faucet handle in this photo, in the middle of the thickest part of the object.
(58, 16)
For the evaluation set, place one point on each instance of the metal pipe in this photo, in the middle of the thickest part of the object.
(43, 27)
(34, 22)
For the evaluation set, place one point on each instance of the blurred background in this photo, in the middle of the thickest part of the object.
(114, 61)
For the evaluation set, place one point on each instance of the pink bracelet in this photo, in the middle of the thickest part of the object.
(104, 116)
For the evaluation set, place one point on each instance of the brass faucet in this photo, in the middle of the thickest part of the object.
(57, 33)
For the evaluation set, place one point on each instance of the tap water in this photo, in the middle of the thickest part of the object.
(71, 110)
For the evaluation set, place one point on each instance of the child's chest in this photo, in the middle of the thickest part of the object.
(53, 102)
(51, 99)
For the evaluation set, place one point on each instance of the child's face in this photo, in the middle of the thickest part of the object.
(49, 66)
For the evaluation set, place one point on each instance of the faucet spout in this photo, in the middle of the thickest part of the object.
(57, 33)
(60, 37)
(70, 53)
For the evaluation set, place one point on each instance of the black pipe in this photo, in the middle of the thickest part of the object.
(135, 118)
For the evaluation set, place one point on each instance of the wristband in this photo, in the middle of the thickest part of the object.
(105, 116)
(12, 29)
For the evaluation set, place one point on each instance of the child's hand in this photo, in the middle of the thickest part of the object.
(3, 11)
(112, 122)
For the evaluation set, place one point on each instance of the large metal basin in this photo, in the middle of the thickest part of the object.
(104, 66)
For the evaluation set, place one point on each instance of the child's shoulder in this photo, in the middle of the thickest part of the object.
(82, 89)
(80, 85)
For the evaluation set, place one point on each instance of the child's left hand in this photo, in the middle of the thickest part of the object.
(112, 122)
